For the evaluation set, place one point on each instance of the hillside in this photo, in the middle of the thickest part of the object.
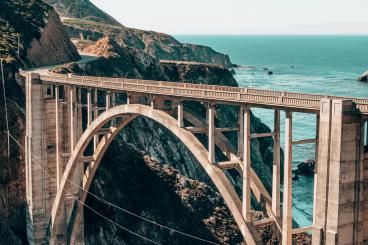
(38, 27)
(82, 10)
(88, 24)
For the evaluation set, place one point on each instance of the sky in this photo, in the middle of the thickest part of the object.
(241, 16)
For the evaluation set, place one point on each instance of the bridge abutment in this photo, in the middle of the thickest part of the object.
(53, 126)
(37, 187)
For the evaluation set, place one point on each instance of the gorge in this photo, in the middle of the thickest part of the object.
(123, 54)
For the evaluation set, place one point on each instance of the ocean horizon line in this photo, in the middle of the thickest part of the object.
(273, 35)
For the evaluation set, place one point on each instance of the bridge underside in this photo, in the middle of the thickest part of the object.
(59, 173)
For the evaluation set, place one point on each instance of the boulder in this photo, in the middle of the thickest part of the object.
(364, 77)
(307, 167)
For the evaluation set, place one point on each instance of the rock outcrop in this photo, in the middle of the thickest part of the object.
(53, 46)
(306, 168)
(42, 39)
(363, 77)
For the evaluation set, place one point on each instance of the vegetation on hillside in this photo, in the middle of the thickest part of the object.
(23, 19)
(82, 10)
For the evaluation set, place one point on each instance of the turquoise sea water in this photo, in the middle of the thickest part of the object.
(309, 64)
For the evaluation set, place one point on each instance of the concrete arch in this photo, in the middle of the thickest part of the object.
(129, 112)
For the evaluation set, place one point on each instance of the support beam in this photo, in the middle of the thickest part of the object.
(95, 115)
(229, 129)
(211, 133)
(261, 135)
(276, 167)
(65, 155)
(108, 100)
(227, 165)
(87, 159)
(57, 136)
(287, 224)
(195, 130)
(79, 114)
(113, 104)
(89, 107)
(104, 131)
(246, 207)
(72, 117)
(305, 141)
(180, 114)
(301, 230)
(241, 132)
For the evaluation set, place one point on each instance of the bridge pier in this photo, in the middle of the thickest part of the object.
(37, 211)
(211, 133)
(246, 210)
(287, 217)
(241, 132)
(276, 167)
(340, 179)
(95, 115)
(344, 197)
(180, 107)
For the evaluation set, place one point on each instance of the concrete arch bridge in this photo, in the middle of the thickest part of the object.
(56, 136)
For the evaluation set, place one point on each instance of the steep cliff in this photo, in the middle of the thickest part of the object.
(164, 195)
(85, 21)
(42, 41)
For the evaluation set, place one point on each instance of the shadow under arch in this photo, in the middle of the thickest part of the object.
(129, 112)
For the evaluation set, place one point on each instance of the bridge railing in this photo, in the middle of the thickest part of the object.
(205, 91)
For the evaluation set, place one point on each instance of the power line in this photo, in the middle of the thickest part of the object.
(85, 205)
(120, 208)
(136, 234)
(5, 104)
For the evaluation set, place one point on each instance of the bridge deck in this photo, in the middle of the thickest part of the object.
(221, 94)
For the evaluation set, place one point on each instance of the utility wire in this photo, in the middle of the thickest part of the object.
(120, 208)
(5, 104)
(85, 205)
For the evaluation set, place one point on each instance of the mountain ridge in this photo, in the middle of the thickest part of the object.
(90, 26)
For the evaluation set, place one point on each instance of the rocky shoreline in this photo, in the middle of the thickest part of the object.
(363, 77)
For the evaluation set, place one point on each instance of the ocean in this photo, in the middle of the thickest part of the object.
(308, 64)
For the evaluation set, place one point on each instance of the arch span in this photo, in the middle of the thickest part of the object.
(128, 113)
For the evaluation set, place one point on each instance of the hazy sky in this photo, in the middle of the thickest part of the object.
(241, 16)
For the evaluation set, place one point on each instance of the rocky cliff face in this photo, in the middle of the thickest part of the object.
(42, 40)
(39, 31)
(57, 43)
(164, 195)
